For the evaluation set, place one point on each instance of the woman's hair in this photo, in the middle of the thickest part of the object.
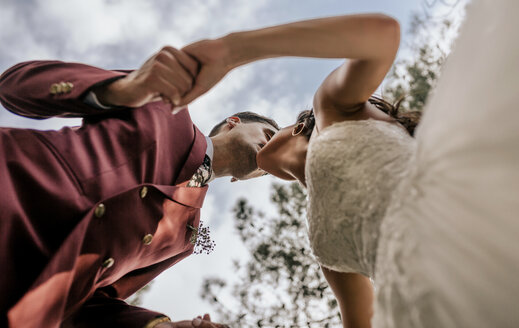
(306, 118)
(409, 119)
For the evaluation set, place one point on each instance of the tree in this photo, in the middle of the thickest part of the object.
(412, 78)
(282, 286)
(136, 299)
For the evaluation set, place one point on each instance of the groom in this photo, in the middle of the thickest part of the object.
(89, 215)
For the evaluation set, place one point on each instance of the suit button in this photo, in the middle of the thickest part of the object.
(108, 263)
(100, 210)
(144, 191)
(146, 240)
(66, 87)
(55, 89)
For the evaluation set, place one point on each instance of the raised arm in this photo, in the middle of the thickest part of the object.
(42, 89)
(370, 42)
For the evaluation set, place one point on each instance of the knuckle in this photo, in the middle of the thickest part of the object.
(168, 49)
(156, 66)
(162, 56)
(151, 75)
(146, 81)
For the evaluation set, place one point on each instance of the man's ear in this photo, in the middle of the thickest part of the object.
(232, 121)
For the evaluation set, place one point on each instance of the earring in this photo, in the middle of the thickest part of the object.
(298, 129)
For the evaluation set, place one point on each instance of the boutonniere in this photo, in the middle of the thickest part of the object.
(200, 237)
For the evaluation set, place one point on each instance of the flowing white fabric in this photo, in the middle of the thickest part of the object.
(448, 246)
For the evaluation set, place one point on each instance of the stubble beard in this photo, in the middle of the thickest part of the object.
(244, 161)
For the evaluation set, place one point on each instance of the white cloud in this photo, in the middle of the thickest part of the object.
(16, 37)
(219, 102)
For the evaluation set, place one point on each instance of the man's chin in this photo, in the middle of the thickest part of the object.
(254, 174)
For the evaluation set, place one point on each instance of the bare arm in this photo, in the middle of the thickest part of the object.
(370, 42)
(354, 293)
(349, 86)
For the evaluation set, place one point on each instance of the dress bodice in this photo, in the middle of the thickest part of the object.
(352, 168)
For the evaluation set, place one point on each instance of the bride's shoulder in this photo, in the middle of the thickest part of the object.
(363, 144)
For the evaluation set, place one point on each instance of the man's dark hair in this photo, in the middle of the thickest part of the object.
(245, 117)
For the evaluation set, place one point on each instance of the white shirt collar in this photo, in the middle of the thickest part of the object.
(210, 152)
(210, 149)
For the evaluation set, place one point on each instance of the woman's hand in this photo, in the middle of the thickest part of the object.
(213, 58)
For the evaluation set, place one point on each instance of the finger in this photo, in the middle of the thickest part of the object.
(166, 101)
(169, 69)
(158, 97)
(190, 63)
(207, 317)
(177, 110)
(195, 92)
(156, 77)
(166, 90)
(207, 324)
(197, 322)
(182, 324)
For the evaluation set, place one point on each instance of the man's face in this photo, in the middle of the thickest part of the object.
(248, 140)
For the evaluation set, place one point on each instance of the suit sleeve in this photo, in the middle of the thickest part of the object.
(105, 311)
(25, 89)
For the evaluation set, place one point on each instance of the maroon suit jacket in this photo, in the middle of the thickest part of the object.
(79, 206)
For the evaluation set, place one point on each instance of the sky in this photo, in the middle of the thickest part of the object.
(115, 34)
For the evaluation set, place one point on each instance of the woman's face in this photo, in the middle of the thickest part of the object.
(284, 155)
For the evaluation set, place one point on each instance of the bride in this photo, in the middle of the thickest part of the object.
(432, 220)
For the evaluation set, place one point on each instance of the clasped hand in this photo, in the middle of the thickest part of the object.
(175, 76)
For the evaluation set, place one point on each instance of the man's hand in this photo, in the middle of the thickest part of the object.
(213, 57)
(197, 322)
(167, 75)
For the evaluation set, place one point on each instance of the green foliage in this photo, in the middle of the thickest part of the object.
(136, 299)
(281, 285)
(412, 79)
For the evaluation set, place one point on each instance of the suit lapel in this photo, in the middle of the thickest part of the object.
(194, 159)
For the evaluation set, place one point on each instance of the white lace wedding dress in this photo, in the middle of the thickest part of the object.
(433, 220)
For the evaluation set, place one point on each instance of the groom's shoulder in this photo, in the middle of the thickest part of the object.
(177, 130)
